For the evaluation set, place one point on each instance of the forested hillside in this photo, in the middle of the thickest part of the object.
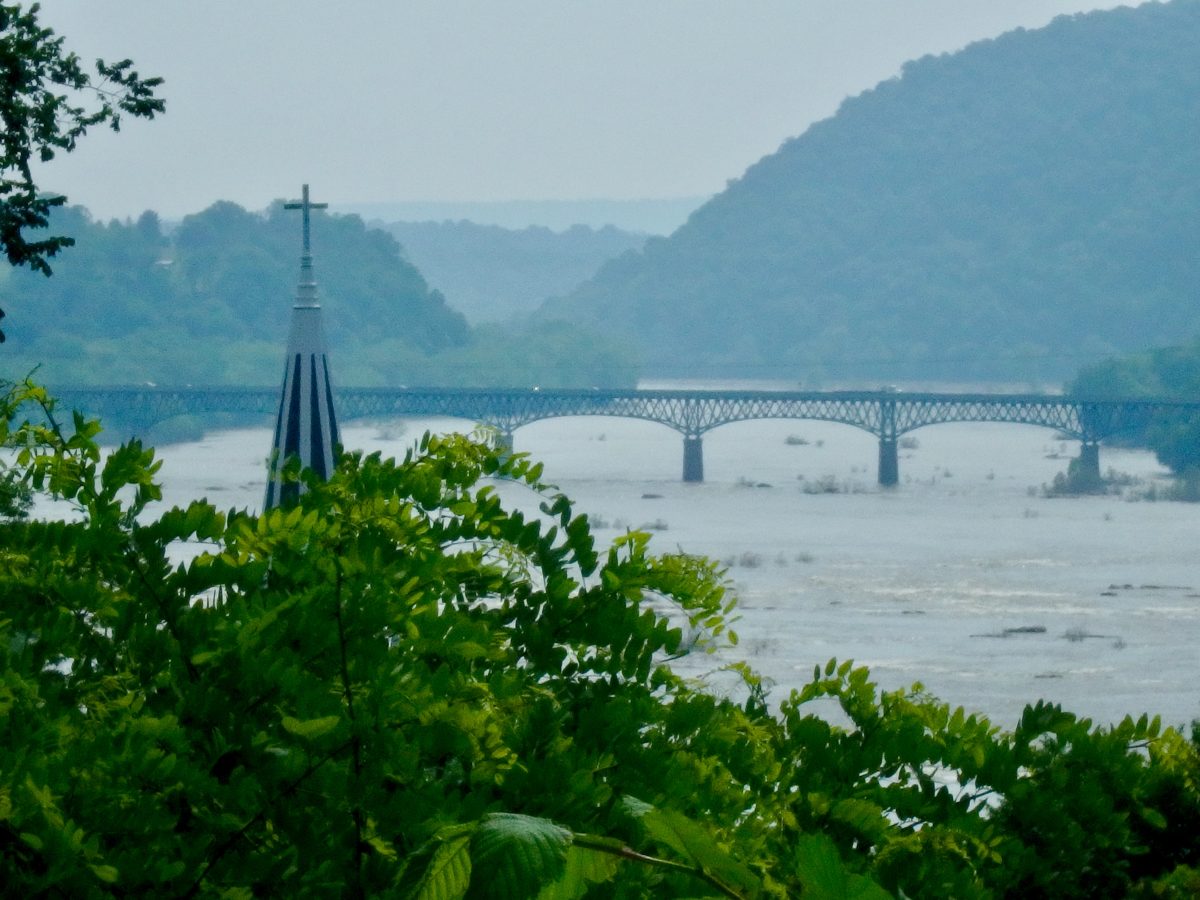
(209, 303)
(489, 273)
(1011, 211)
(1162, 372)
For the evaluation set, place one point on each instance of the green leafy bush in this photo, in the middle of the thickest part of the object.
(402, 687)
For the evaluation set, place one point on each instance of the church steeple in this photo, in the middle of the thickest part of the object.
(306, 426)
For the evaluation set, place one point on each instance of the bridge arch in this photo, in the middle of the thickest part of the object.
(887, 415)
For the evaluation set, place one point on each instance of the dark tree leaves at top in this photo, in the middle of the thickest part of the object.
(48, 100)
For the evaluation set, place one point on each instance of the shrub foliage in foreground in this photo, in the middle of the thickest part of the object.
(403, 687)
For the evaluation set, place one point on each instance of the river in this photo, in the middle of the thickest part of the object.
(965, 577)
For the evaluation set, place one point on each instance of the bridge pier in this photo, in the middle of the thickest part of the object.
(693, 458)
(889, 463)
(1089, 461)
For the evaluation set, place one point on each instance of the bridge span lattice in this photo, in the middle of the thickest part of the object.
(886, 414)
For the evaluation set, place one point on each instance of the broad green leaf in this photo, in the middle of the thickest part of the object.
(449, 872)
(674, 830)
(41, 795)
(514, 856)
(585, 867)
(310, 729)
(107, 874)
(1153, 817)
(863, 816)
(824, 875)
(32, 840)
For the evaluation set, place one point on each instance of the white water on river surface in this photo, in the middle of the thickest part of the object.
(922, 582)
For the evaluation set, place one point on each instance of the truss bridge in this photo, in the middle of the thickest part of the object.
(886, 414)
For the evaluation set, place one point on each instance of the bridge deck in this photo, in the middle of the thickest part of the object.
(885, 414)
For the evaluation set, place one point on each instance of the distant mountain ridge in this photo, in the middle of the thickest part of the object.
(1006, 212)
(491, 274)
(210, 302)
(650, 215)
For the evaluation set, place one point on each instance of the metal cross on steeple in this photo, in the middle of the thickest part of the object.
(306, 290)
(305, 205)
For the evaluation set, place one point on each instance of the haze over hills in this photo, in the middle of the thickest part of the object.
(650, 215)
(490, 274)
(1011, 211)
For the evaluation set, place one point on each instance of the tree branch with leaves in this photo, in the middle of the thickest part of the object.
(48, 100)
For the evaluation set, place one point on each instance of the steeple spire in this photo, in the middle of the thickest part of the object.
(306, 426)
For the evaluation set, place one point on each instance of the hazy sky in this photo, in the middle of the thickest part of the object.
(396, 100)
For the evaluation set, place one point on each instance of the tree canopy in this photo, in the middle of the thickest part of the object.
(1162, 372)
(207, 302)
(405, 687)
